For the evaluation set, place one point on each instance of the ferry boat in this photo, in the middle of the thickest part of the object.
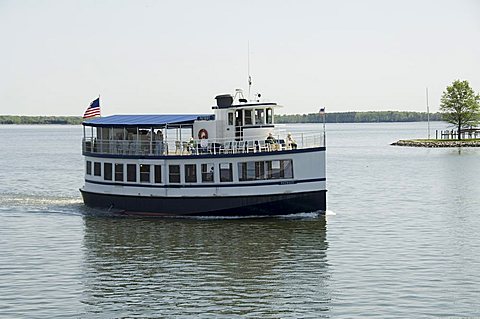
(234, 162)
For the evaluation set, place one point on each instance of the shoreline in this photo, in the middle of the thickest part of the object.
(438, 143)
(334, 117)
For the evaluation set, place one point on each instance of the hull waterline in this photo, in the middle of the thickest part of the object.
(260, 205)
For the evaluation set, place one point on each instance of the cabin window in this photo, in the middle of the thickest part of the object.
(226, 174)
(287, 168)
(230, 118)
(190, 173)
(107, 171)
(144, 173)
(207, 173)
(269, 116)
(97, 169)
(158, 174)
(260, 170)
(119, 172)
(259, 117)
(246, 171)
(174, 173)
(89, 168)
(248, 117)
(273, 169)
(131, 172)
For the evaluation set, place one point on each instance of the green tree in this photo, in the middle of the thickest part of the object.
(460, 106)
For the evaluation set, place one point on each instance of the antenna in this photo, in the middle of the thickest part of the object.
(428, 114)
(249, 77)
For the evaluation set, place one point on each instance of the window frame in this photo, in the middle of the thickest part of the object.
(265, 170)
(157, 169)
(97, 169)
(229, 177)
(107, 172)
(249, 117)
(117, 172)
(88, 168)
(172, 176)
(147, 173)
(207, 170)
(129, 166)
(190, 176)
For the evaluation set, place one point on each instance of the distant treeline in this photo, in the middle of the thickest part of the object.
(15, 119)
(359, 117)
(338, 117)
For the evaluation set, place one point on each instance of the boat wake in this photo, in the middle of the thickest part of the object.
(302, 216)
(41, 204)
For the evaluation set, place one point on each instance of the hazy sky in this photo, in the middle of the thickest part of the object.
(175, 56)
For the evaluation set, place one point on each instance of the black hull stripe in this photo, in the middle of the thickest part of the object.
(199, 156)
(283, 182)
(279, 204)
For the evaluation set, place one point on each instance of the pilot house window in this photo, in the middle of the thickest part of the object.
(248, 117)
(259, 116)
(269, 116)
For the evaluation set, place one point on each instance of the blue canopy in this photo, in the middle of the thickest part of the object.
(147, 120)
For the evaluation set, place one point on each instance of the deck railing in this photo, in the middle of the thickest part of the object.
(92, 145)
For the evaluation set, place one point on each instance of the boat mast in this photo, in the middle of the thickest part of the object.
(249, 77)
(428, 115)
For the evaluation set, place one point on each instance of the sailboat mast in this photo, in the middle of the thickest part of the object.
(428, 114)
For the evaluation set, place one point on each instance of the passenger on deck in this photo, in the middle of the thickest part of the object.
(270, 139)
(192, 145)
(291, 143)
(159, 147)
(159, 135)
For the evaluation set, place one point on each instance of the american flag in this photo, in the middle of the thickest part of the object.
(322, 111)
(93, 110)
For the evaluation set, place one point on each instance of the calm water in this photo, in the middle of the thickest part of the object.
(401, 240)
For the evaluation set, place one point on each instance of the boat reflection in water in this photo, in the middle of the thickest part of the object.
(186, 266)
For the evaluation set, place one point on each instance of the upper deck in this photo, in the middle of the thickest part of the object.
(148, 145)
(237, 126)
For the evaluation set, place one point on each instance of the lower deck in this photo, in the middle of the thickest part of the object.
(256, 184)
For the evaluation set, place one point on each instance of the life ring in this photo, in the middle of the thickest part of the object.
(203, 134)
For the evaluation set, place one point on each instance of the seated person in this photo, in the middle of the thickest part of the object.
(192, 145)
(291, 142)
(159, 135)
(270, 139)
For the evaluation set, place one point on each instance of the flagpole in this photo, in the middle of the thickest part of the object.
(322, 112)
(324, 130)
(248, 63)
